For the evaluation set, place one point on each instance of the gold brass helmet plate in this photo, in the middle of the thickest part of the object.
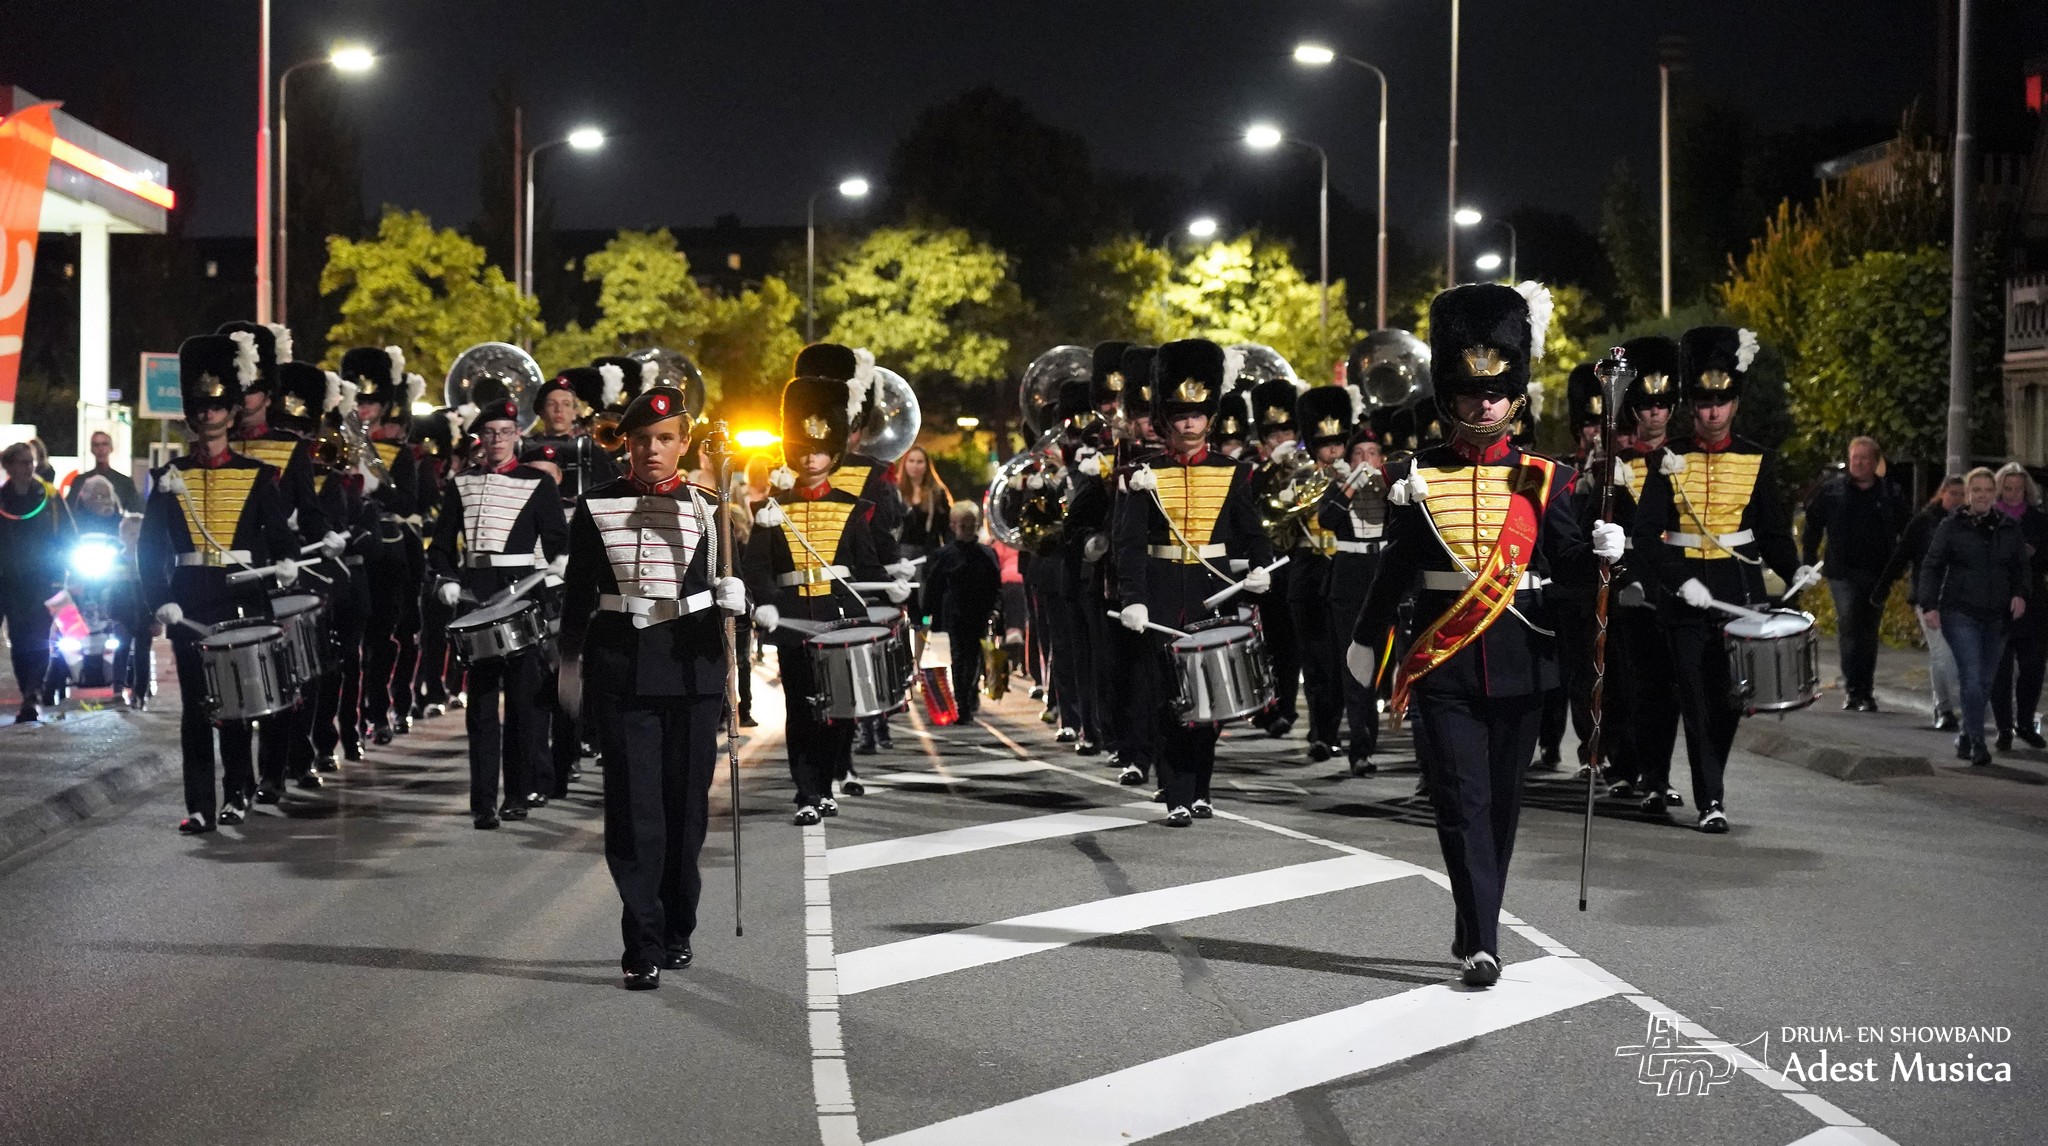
(1484, 362)
(816, 426)
(1191, 390)
(1596, 405)
(1656, 383)
(1279, 415)
(294, 406)
(210, 385)
(1145, 393)
(583, 409)
(1115, 381)
(1329, 428)
(367, 387)
(1227, 425)
(1714, 380)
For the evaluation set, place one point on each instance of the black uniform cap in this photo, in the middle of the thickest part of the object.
(655, 404)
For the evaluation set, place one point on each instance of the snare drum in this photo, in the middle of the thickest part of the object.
(497, 631)
(856, 671)
(891, 618)
(303, 617)
(1773, 661)
(248, 669)
(1222, 672)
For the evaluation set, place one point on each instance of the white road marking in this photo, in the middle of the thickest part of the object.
(910, 849)
(1845, 1136)
(1209, 1081)
(970, 770)
(890, 964)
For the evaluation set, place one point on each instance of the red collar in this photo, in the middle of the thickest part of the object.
(256, 431)
(212, 461)
(1716, 447)
(1200, 455)
(508, 467)
(673, 483)
(1482, 455)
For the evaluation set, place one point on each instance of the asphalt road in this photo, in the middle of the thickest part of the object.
(995, 944)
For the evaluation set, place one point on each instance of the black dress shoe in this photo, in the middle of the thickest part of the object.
(1713, 820)
(1852, 703)
(888, 744)
(1131, 776)
(268, 795)
(643, 978)
(851, 786)
(1549, 760)
(1281, 726)
(1179, 818)
(536, 800)
(1087, 747)
(1945, 721)
(1962, 746)
(2030, 738)
(352, 751)
(512, 812)
(485, 822)
(1980, 755)
(2005, 740)
(1318, 751)
(325, 763)
(195, 824)
(1870, 704)
(381, 736)
(1653, 805)
(309, 781)
(677, 958)
(1481, 970)
(1363, 766)
(403, 725)
(233, 812)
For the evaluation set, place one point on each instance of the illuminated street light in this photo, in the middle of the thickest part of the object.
(581, 139)
(1314, 55)
(352, 58)
(851, 187)
(1470, 217)
(1263, 137)
(1203, 227)
(1467, 217)
(854, 188)
(967, 421)
(1490, 261)
(1266, 137)
(349, 60)
(586, 139)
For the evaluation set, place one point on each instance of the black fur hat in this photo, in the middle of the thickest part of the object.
(1075, 398)
(1188, 377)
(1324, 414)
(1137, 392)
(436, 431)
(1714, 361)
(1654, 358)
(1233, 417)
(1483, 336)
(273, 346)
(378, 372)
(1107, 380)
(1273, 407)
(300, 398)
(813, 417)
(212, 371)
(1585, 403)
(825, 360)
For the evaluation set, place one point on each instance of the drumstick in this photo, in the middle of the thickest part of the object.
(242, 576)
(880, 586)
(520, 588)
(1232, 590)
(798, 625)
(1171, 632)
(1737, 610)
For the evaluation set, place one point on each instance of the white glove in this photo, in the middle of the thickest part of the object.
(559, 565)
(1806, 575)
(1695, 594)
(370, 482)
(1363, 662)
(170, 613)
(1258, 581)
(1609, 540)
(287, 570)
(334, 543)
(902, 570)
(1632, 596)
(1359, 477)
(1134, 617)
(731, 595)
(897, 592)
(448, 592)
(767, 616)
(769, 515)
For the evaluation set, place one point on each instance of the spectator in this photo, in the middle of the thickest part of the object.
(1974, 582)
(1906, 558)
(1859, 514)
(42, 469)
(963, 586)
(926, 503)
(35, 534)
(124, 486)
(2016, 690)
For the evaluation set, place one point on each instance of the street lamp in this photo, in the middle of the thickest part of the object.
(1316, 56)
(349, 60)
(1490, 261)
(1470, 217)
(1202, 227)
(854, 187)
(1266, 137)
(581, 139)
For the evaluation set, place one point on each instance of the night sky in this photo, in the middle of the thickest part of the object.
(747, 107)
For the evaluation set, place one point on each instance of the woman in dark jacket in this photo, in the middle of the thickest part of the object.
(1906, 558)
(1973, 582)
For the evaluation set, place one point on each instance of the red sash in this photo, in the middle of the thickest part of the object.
(1492, 589)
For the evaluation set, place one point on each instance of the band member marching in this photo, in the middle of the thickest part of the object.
(563, 407)
(1709, 523)
(810, 539)
(1324, 417)
(499, 523)
(1182, 515)
(1354, 512)
(1136, 724)
(1476, 527)
(1091, 495)
(1642, 720)
(391, 483)
(643, 607)
(210, 512)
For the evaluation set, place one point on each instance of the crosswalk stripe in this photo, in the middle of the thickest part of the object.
(910, 849)
(889, 964)
(1845, 1136)
(1209, 1081)
(966, 770)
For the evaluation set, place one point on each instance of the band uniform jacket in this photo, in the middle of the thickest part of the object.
(874, 482)
(1718, 518)
(397, 500)
(1432, 540)
(205, 523)
(781, 571)
(638, 601)
(1357, 525)
(1205, 502)
(1084, 541)
(496, 527)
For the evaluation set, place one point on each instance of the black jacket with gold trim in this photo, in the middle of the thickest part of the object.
(224, 510)
(841, 528)
(1689, 493)
(1462, 513)
(874, 482)
(292, 457)
(1213, 509)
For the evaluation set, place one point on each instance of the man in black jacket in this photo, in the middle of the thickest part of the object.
(1859, 514)
(962, 584)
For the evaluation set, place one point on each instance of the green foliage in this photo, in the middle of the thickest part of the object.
(1248, 289)
(926, 301)
(1629, 236)
(426, 291)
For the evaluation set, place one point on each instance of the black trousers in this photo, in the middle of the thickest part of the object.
(1577, 630)
(284, 741)
(2016, 690)
(819, 750)
(196, 733)
(565, 743)
(1856, 621)
(388, 592)
(1322, 666)
(1640, 728)
(338, 702)
(1473, 750)
(1361, 707)
(1186, 756)
(1284, 644)
(405, 666)
(28, 636)
(743, 653)
(1146, 674)
(660, 755)
(439, 674)
(512, 744)
(1108, 694)
(1699, 662)
(966, 644)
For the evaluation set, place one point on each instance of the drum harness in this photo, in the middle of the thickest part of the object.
(831, 570)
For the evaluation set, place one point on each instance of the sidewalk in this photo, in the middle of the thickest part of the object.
(1896, 747)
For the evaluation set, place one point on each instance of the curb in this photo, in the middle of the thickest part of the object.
(134, 774)
(1779, 743)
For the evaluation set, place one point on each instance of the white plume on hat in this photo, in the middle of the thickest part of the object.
(246, 363)
(415, 389)
(1233, 365)
(1538, 297)
(347, 400)
(467, 413)
(650, 375)
(1745, 348)
(857, 387)
(614, 382)
(397, 357)
(281, 337)
(1357, 403)
(333, 399)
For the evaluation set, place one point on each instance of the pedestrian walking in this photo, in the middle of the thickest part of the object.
(962, 587)
(2016, 690)
(1906, 557)
(1859, 515)
(34, 533)
(1972, 585)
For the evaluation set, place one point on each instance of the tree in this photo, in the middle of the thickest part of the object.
(1111, 290)
(1248, 289)
(427, 291)
(1630, 240)
(927, 302)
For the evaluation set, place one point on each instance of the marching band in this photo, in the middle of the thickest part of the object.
(1201, 538)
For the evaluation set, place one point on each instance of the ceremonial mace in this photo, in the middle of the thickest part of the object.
(718, 451)
(1615, 375)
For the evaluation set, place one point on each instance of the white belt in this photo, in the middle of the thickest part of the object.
(1325, 545)
(1457, 580)
(1373, 546)
(214, 557)
(1183, 553)
(499, 560)
(810, 576)
(1724, 540)
(647, 611)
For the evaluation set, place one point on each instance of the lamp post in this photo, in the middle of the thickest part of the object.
(1670, 57)
(581, 139)
(852, 188)
(1451, 184)
(1316, 56)
(348, 61)
(263, 162)
(1470, 217)
(1266, 137)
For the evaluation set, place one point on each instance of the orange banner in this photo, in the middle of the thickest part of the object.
(25, 139)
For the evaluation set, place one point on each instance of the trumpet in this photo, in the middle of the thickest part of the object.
(1290, 488)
